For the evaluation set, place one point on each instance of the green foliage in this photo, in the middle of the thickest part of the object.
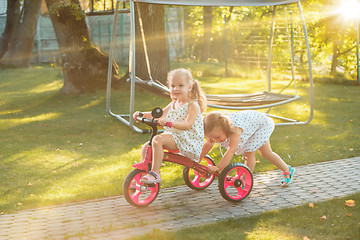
(101, 5)
(248, 30)
(332, 35)
(64, 9)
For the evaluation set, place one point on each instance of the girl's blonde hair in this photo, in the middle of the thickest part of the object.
(216, 119)
(196, 92)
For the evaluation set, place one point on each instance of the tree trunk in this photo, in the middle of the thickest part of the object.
(84, 65)
(207, 33)
(335, 56)
(12, 17)
(152, 17)
(188, 39)
(21, 44)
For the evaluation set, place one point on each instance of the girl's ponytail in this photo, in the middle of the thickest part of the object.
(196, 93)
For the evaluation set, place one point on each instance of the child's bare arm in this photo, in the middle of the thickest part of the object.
(166, 110)
(190, 119)
(205, 149)
(233, 144)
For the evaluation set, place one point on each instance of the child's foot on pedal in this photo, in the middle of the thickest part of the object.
(151, 177)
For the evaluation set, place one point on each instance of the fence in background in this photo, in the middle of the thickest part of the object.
(46, 49)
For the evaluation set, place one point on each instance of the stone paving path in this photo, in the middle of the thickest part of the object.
(114, 218)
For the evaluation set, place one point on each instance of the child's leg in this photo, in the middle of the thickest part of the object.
(160, 142)
(267, 153)
(249, 158)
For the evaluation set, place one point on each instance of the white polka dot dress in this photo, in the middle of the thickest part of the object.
(257, 129)
(189, 142)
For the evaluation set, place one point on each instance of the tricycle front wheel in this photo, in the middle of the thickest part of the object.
(196, 180)
(235, 182)
(137, 193)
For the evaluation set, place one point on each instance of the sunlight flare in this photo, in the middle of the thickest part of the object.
(349, 9)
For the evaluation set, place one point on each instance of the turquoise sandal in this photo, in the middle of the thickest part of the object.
(286, 181)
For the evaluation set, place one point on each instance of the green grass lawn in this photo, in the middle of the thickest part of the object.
(57, 149)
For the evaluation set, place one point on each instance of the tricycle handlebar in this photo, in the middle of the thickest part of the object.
(155, 113)
(150, 122)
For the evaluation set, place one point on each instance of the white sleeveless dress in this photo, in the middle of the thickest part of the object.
(257, 129)
(189, 142)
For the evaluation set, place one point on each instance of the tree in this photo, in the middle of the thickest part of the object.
(12, 16)
(84, 65)
(336, 32)
(207, 33)
(20, 35)
(151, 16)
(331, 35)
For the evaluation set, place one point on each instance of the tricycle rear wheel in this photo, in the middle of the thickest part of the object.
(195, 180)
(235, 182)
(137, 193)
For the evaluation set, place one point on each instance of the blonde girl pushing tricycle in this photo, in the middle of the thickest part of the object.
(244, 133)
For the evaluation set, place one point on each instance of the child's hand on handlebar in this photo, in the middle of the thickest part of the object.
(162, 122)
(214, 169)
(136, 114)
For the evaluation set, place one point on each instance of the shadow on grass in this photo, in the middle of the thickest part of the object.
(57, 149)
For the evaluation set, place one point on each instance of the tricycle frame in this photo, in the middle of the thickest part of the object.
(236, 176)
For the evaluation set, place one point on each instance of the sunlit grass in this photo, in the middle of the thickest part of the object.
(92, 103)
(69, 149)
(14, 122)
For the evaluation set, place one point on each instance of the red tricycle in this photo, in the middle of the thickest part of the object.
(235, 181)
